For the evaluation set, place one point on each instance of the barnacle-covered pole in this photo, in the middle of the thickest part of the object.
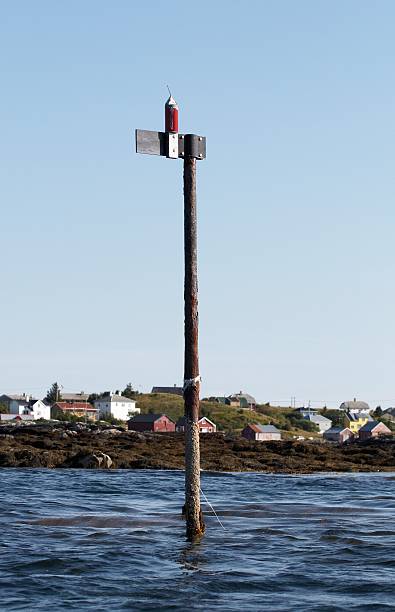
(193, 513)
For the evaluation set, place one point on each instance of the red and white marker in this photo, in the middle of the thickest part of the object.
(171, 115)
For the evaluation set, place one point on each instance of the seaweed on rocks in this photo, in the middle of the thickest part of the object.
(62, 445)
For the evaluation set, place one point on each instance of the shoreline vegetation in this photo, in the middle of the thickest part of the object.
(90, 445)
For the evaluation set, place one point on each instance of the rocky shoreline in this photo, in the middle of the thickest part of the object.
(76, 445)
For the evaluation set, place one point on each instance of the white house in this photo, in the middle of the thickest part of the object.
(117, 406)
(24, 405)
(305, 412)
(39, 409)
(355, 406)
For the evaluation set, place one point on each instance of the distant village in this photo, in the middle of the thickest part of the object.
(357, 421)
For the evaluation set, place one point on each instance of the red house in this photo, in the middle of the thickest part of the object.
(151, 422)
(373, 429)
(205, 425)
(338, 434)
(79, 409)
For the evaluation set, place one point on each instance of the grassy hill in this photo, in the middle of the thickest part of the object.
(227, 418)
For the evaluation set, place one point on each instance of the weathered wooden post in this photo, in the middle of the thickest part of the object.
(190, 148)
(193, 514)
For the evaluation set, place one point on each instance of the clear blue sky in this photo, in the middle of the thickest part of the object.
(296, 196)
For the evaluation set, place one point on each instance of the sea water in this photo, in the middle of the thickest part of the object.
(115, 540)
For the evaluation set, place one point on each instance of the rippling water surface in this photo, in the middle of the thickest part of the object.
(91, 540)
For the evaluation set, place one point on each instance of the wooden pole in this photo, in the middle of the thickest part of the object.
(194, 519)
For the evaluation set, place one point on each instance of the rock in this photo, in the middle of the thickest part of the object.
(5, 436)
(76, 427)
(107, 461)
(112, 432)
(94, 461)
(137, 436)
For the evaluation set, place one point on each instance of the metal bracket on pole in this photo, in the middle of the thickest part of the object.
(170, 145)
(192, 146)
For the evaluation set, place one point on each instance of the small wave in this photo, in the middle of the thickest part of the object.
(105, 522)
(343, 540)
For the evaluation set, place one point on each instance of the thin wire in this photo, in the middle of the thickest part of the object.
(169, 90)
(218, 519)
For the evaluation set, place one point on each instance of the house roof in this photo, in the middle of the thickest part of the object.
(114, 398)
(23, 401)
(317, 418)
(74, 406)
(355, 405)
(171, 390)
(16, 397)
(147, 418)
(74, 397)
(269, 429)
(204, 418)
(333, 430)
(308, 410)
(371, 425)
(357, 416)
(16, 417)
(246, 396)
(258, 428)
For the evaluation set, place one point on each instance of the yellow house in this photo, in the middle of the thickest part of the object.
(355, 421)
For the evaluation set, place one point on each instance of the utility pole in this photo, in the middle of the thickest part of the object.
(190, 148)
